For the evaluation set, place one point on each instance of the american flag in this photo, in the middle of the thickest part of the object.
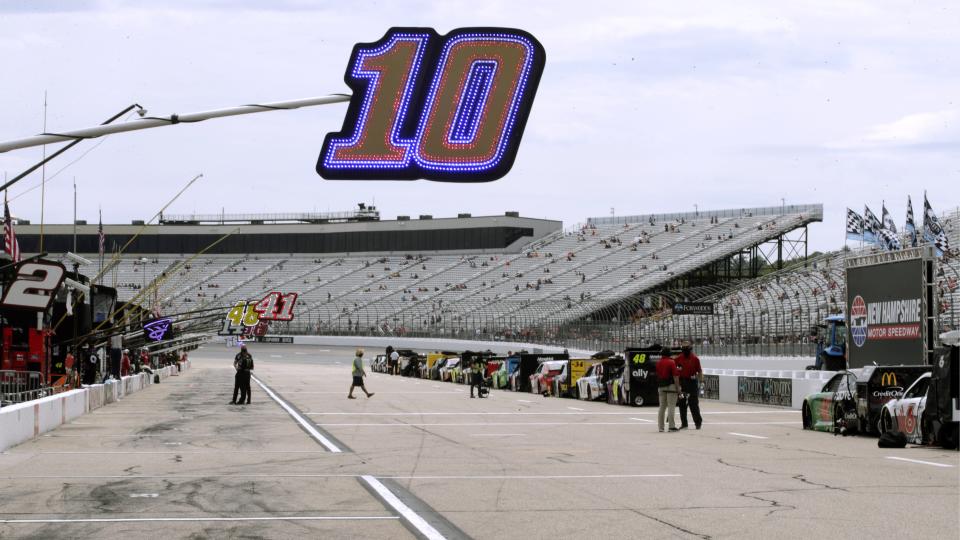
(10, 244)
(100, 234)
(854, 225)
(932, 229)
(910, 228)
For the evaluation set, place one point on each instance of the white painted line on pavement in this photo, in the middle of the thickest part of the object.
(174, 452)
(156, 519)
(497, 434)
(575, 409)
(645, 420)
(144, 495)
(532, 477)
(418, 522)
(267, 475)
(524, 401)
(746, 435)
(276, 356)
(298, 353)
(493, 413)
(920, 462)
(300, 420)
(378, 391)
(474, 424)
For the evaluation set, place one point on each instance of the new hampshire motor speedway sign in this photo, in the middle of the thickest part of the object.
(885, 313)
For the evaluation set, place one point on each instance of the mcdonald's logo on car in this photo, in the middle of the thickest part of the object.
(888, 379)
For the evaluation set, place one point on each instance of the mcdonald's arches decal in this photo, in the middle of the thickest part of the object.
(450, 108)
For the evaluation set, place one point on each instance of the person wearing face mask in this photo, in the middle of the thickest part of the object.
(691, 380)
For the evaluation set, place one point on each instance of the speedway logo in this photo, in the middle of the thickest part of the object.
(886, 320)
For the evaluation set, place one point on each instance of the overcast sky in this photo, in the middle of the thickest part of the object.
(643, 106)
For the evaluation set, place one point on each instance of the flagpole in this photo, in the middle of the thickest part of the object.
(74, 214)
(43, 173)
(100, 243)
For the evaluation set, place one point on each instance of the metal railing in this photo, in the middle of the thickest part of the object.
(20, 386)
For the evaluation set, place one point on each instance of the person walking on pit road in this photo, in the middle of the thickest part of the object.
(691, 381)
(358, 375)
(668, 383)
(243, 363)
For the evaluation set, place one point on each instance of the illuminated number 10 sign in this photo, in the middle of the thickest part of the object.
(449, 108)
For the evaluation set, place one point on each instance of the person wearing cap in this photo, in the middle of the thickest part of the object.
(125, 363)
(691, 381)
(668, 383)
(243, 363)
(358, 375)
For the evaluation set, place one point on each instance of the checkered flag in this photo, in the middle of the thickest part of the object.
(888, 223)
(871, 227)
(889, 239)
(910, 228)
(854, 225)
(932, 229)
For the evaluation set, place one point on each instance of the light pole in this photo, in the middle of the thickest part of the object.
(696, 210)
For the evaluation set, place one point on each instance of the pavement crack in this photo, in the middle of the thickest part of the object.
(775, 505)
(803, 479)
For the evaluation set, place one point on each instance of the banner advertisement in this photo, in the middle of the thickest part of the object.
(693, 308)
(765, 391)
(885, 314)
(711, 387)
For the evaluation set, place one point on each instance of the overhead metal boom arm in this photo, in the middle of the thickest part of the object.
(148, 122)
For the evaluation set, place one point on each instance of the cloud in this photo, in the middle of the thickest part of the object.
(926, 127)
(923, 131)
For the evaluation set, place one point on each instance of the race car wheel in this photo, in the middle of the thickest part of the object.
(638, 401)
(885, 423)
(589, 394)
(807, 423)
(576, 392)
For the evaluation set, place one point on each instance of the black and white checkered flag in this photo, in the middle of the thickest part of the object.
(910, 228)
(871, 227)
(932, 229)
(854, 225)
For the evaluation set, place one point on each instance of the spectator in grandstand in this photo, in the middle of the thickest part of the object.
(668, 383)
(358, 375)
(243, 364)
(691, 380)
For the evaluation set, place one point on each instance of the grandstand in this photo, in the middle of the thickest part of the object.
(498, 275)
(607, 282)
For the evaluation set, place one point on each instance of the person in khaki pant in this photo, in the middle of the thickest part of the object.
(668, 383)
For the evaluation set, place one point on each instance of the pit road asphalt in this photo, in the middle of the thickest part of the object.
(422, 459)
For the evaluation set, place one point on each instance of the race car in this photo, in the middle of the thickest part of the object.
(541, 382)
(591, 385)
(449, 369)
(501, 377)
(851, 401)
(834, 407)
(928, 412)
(379, 364)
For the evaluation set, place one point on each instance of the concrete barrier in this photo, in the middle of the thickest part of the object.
(24, 421)
(802, 383)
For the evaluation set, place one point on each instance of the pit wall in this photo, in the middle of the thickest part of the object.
(23, 421)
(780, 381)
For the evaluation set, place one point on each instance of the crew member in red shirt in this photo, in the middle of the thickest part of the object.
(691, 380)
(125, 363)
(668, 383)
